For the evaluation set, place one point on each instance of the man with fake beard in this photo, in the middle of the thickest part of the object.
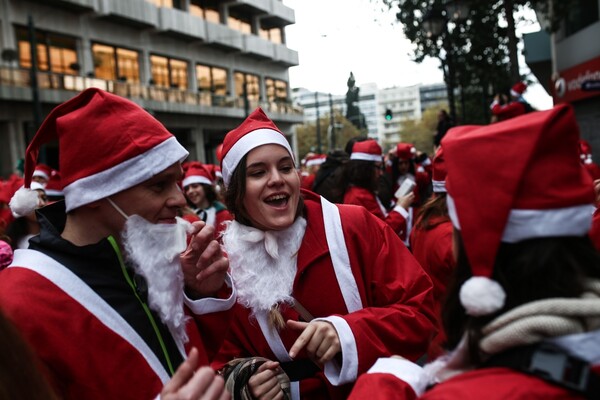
(103, 295)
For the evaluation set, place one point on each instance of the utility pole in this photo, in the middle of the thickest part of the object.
(515, 75)
(331, 122)
(35, 90)
(319, 146)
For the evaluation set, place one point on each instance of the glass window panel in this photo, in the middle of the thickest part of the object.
(179, 74)
(104, 62)
(219, 76)
(160, 70)
(275, 35)
(270, 88)
(24, 54)
(239, 84)
(212, 16)
(203, 77)
(239, 25)
(42, 55)
(253, 87)
(128, 65)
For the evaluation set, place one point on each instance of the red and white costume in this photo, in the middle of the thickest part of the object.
(353, 271)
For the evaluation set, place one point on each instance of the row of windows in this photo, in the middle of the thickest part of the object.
(58, 54)
(209, 11)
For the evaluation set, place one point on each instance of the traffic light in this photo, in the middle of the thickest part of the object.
(388, 114)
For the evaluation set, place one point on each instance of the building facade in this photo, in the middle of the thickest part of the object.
(199, 66)
(567, 64)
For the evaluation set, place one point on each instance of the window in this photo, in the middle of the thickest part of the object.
(212, 79)
(162, 3)
(240, 24)
(273, 34)
(115, 63)
(205, 9)
(251, 83)
(169, 72)
(583, 13)
(55, 53)
(276, 90)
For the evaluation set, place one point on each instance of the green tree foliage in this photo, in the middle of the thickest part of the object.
(307, 135)
(478, 47)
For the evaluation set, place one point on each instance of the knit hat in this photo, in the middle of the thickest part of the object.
(106, 144)
(256, 130)
(367, 150)
(513, 181)
(197, 173)
(43, 171)
(438, 178)
(518, 89)
(405, 151)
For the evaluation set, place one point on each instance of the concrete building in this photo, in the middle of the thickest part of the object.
(567, 64)
(433, 95)
(404, 103)
(200, 66)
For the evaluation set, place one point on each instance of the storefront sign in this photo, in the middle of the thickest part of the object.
(579, 82)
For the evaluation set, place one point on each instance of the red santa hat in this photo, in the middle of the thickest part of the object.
(197, 173)
(438, 176)
(42, 171)
(367, 150)
(518, 89)
(256, 130)
(585, 152)
(219, 152)
(106, 144)
(405, 151)
(315, 159)
(513, 181)
(54, 187)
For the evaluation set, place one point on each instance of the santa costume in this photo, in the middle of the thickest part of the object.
(340, 264)
(82, 309)
(542, 349)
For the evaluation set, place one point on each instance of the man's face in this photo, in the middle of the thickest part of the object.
(156, 199)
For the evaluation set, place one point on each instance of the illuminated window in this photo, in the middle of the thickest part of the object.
(169, 72)
(115, 63)
(273, 34)
(55, 53)
(240, 24)
(162, 3)
(252, 85)
(205, 9)
(276, 90)
(212, 79)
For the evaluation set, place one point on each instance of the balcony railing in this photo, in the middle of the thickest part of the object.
(17, 77)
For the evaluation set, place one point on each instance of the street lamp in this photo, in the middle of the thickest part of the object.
(435, 24)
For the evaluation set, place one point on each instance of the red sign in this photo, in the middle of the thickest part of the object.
(579, 82)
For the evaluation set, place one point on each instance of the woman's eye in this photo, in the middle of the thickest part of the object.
(286, 168)
(256, 173)
(158, 186)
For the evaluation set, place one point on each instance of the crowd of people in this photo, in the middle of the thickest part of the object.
(133, 272)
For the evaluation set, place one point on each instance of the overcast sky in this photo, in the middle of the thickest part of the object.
(334, 37)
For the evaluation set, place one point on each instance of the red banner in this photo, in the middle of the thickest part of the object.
(577, 83)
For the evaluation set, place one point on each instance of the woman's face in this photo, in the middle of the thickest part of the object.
(195, 194)
(272, 188)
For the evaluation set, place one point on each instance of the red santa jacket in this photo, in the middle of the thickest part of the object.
(87, 349)
(396, 218)
(433, 250)
(510, 110)
(485, 383)
(395, 315)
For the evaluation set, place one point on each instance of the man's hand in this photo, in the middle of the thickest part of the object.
(264, 383)
(192, 383)
(320, 339)
(203, 263)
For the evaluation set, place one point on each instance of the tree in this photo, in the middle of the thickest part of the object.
(307, 134)
(421, 132)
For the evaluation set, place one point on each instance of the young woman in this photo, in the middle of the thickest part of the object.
(362, 173)
(323, 289)
(523, 314)
(202, 198)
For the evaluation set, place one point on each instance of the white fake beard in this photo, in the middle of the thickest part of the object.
(153, 250)
(263, 263)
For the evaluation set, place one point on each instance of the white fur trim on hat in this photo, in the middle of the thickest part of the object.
(41, 174)
(366, 157)
(195, 179)
(439, 186)
(24, 202)
(247, 143)
(316, 161)
(125, 175)
(481, 296)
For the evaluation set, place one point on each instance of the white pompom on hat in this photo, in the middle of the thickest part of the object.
(511, 181)
(256, 130)
(107, 144)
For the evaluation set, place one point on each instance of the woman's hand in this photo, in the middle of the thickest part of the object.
(264, 383)
(405, 201)
(192, 383)
(320, 339)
